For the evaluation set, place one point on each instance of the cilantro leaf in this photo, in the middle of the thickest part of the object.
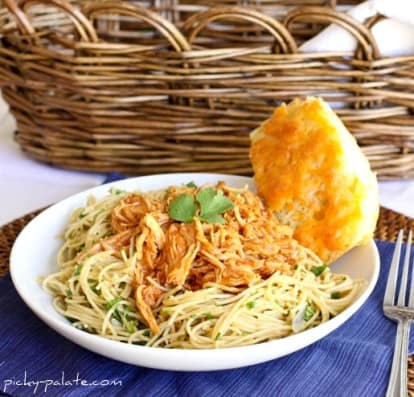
(215, 218)
(212, 204)
(191, 184)
(182, 208)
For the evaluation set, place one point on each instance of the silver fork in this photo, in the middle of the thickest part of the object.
(402, 313)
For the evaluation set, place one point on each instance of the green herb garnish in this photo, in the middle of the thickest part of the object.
(165, 312)
(140, 343)
(251, 304)
(113, 302)
(336, 295)
(146, 333)
(218, 336)
(309, 312)
(80, 248)
(182, 208)
(81, 215)
(117, 316)
(69, 293)
(317, 271)
(209, 316)
(212, 204)
(78, 270)
(191, 184)
(119, 191)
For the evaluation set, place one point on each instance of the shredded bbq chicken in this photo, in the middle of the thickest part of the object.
(247, 249)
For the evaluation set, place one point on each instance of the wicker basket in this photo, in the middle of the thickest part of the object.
(173, 85)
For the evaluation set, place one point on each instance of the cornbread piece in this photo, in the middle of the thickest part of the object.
(309, 169)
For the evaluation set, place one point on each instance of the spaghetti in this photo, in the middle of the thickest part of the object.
(130, 272)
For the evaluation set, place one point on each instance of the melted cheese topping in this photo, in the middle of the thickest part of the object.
(310, 170)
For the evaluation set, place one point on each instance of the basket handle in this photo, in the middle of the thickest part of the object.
(197, 22)
(364, 36)
(22, 22)
(166, 28)
(83, 26)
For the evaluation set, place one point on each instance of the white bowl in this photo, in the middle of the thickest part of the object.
(34, 255)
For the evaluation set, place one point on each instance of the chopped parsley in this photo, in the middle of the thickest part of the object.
(209, 316)
(78, 270)
(309, 312)
(218, 336)
(113, 302)
(80, 248)
(117, 316)
(69, 293)
(250, 305)
(191, 184)
(318, 270)
(146, 333)
(336, 295)
(165, 312)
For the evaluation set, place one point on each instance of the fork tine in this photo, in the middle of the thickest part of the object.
(389, 296)
(404, 277)
(411, 292)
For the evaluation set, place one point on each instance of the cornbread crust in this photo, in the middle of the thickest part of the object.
(309, 169)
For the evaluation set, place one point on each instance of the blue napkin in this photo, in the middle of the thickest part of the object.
(354, 360)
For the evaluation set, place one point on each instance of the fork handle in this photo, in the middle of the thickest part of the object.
(404, 357)
(394, 383)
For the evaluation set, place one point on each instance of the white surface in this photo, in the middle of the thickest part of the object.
(393, 35)
(26, 265)
(27, 185)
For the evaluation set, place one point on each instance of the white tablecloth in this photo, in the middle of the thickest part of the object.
(27, 185)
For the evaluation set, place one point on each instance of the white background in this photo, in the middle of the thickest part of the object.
(26, 185)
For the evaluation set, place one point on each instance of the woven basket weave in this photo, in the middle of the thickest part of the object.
(173, 85)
